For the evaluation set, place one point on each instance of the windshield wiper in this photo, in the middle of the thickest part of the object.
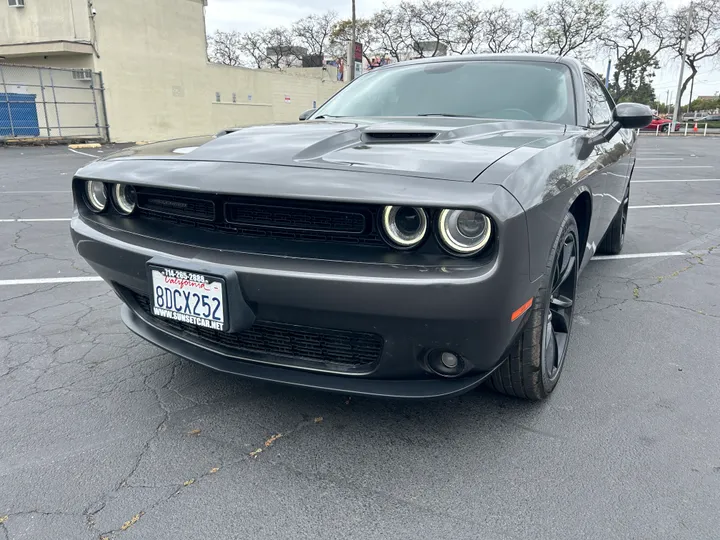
(449, 115)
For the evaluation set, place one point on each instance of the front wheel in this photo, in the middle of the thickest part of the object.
(665, 128)
(536, 359)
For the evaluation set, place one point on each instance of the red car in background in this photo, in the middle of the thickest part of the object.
(664, 124)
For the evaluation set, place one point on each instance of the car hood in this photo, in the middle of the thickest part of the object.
(457, 149)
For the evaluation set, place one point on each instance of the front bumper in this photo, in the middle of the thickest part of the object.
(413, 309)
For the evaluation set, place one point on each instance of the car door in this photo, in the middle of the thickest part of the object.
(612, 157)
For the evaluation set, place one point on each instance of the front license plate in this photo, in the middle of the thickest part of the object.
(188, 297)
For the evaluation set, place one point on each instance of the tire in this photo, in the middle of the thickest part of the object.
(614, 239)
(665, 128)
(536, 359)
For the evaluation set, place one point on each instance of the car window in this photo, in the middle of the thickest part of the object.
(486, 89)
(599, 112)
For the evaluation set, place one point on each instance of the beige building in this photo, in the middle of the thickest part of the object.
(152, 56)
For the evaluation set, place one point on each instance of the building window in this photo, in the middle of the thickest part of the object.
(82, 74)
(16, 3)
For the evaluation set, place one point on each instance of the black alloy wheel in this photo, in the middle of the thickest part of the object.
(559, 310)
(536, 359)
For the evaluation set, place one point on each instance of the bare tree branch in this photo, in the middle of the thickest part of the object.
(225, 48)
(313, 32)
(502, 29)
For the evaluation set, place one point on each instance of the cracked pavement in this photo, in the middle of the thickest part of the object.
(103, 435)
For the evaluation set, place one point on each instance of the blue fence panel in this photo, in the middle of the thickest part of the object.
(18, 116)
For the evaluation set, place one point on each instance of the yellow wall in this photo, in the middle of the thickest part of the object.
(159, 84)
(44, 20)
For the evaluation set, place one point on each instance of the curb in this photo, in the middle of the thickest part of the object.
(84, 145)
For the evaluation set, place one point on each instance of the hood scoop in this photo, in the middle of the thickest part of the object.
(395, 136)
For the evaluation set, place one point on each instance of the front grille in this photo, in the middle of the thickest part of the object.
(292, 342)
(157, 201)
(254, 217)
(291, 218)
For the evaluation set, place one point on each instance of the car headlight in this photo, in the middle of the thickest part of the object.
(464, 232)
(125, 198)
(404, 226)
(96, 195)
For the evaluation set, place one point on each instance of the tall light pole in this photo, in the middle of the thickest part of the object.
(682, 69)
(352, 44)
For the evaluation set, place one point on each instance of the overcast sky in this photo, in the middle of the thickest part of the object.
(245, 15)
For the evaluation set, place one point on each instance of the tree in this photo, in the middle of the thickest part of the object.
(313, 32)
(704, 42)
(279, 48)
(225, 48)
(563, 27)
(466, 29)
(428, 22)
(365, 34)
(639, 24)
(390, 28)
(502, 29)
(633, 76)
(253, 46)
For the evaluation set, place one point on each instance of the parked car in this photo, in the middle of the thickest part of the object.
(420, 233)
(664, 124)
(711, 118)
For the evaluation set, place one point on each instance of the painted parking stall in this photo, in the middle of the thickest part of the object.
(174, 441)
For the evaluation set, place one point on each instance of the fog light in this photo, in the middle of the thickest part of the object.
(445, 363)
(449, 360)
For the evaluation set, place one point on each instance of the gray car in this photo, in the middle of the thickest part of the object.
(420, 233)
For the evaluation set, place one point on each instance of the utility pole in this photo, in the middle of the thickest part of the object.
(682, 69)
(352, 44)
(607, 77)
(667, 100)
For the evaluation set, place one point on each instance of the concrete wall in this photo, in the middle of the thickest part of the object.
(159, 84)
(44, 20)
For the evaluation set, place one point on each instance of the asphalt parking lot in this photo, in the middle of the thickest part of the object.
(104, 435)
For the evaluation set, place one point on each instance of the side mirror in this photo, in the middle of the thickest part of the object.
(306, 114)
(633, 115)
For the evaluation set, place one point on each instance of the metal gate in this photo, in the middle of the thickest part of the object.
(52, 103)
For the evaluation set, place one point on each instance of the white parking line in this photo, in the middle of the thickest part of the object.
(49, 281)
(676, 167)
(675, 205)
(32, 220)
(84, 154)
(639, 255)
(684, 180)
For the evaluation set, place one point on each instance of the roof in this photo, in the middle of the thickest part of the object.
(533, 57)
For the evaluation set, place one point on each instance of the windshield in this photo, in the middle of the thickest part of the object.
(485, 89)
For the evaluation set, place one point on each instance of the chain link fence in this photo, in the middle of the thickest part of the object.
(40, 102)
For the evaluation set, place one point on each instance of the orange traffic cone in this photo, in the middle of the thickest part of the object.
(695, 128)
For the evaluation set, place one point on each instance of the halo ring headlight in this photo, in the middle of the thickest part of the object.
(464, 232)
(125, 198)
(404, 226)
(96, 195)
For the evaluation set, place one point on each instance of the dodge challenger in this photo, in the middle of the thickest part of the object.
(417, 235)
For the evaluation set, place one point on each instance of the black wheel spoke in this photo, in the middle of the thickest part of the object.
(560, 308)
(560, 321)
(561, 302)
